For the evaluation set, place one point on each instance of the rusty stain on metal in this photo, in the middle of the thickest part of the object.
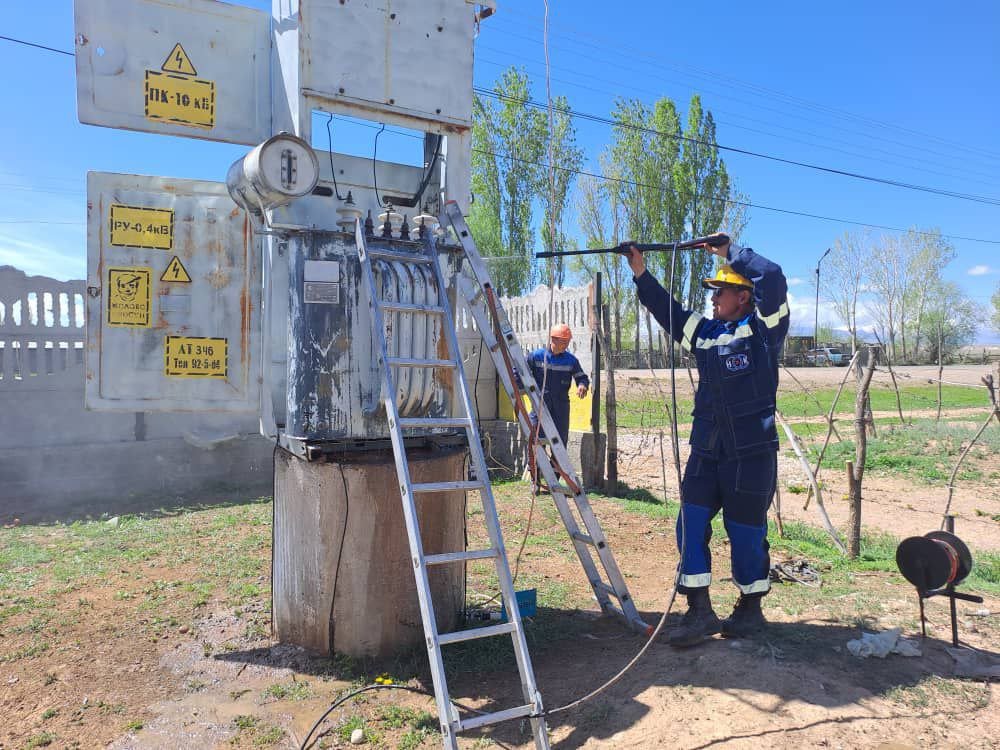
(219, 278)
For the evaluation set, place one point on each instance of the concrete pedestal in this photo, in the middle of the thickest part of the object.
(342, 575)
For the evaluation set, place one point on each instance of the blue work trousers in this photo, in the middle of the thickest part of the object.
(742, 489)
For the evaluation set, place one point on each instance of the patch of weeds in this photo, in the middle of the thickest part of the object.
(49, 713)
(293, 691)
(43, 739)
(34, 648)
(797, 489)
(268, 735)
(245, 721)
(351, 723)
(134, 726)
(235, 695)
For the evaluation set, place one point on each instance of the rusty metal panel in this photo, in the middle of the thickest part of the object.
(194, 68)
(173, 297)
(411, 57)
(333, 380)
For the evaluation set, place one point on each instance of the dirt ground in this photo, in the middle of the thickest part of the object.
(126, 659)
(893, 505)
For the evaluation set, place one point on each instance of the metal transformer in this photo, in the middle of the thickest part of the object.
(333, 382)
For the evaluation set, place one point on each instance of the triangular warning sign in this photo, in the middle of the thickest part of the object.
(178, 62)
(176, 272)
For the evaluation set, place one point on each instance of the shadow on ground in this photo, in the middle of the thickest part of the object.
(575, 652)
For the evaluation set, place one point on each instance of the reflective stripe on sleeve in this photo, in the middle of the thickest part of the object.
(773, 319)
(742, 332)
(689, 328)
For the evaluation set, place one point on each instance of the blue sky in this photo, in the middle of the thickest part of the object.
(903, 91)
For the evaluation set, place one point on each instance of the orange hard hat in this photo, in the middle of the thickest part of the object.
(560, 331)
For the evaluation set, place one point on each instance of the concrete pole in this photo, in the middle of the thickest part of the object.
(342, 577)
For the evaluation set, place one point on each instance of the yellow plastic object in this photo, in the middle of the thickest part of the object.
(726, 276)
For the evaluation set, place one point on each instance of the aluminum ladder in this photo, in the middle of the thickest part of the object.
(554, 464)
(450, 721)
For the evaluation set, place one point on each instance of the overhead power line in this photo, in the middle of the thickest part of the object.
(609, 121)
(603, 45)
(733, 149)
(791, 212)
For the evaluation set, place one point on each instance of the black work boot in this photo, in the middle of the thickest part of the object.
(746, 618)
(697, 624)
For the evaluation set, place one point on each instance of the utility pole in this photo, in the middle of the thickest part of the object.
(816, 319)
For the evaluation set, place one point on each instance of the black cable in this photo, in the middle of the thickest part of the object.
(37, 46)
(696, 141)
(378, 200)
(329, 151)
(340, 553)
(350, 695)
(728, 201)
(608, 121)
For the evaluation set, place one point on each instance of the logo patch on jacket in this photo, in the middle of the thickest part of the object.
(737, 362)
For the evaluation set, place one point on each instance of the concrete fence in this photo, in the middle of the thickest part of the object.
(59, 461)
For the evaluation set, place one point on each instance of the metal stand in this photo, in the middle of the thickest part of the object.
(948, 591)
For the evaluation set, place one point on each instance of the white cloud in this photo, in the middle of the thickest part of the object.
(980, 270)
(795, 281)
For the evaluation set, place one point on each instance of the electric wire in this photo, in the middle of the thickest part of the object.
(378, 200)
(730, 201)
(745, 152)
(963, 175)
(604, 177)
(329, 151)
(657, 64)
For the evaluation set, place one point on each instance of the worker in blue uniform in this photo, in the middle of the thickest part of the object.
(733, 461)
(556, 368)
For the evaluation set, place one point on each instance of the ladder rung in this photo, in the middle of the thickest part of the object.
(410, 307)
(581, 537)
(563, 489)
(497, 716)
(451, 557)
(410, 362)
(435, 422)
(602, 586)
(446, 486)
(470, 635)
(402, 257)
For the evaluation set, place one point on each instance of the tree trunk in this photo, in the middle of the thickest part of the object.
(856, 471)
(638, 313)
(610, 406)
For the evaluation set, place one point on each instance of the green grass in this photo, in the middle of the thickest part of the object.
(926, 451)
(654, 411)
(38, 564)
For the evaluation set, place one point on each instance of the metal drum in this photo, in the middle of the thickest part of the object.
(934, 560)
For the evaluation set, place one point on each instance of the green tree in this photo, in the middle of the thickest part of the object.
(509, 139)
(702, 185)
(949, 320)
(565, 158)
(995, 299)
(843, 282)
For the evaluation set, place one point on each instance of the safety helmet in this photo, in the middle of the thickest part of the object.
(560, 331)
(726, 276)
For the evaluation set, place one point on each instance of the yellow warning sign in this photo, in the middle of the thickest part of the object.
(176, 271)
(195, 357)
(129, 297)
(133, 226)
(176, 98)
(178, 62)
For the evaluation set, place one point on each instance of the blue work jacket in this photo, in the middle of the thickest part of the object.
(737, 360)
(563, 369)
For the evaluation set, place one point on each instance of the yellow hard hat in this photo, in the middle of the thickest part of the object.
(726, 276)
